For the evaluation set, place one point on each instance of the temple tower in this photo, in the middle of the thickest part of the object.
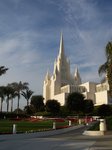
(46, 87)
(61, 75)
(77, 77)
(63, 65)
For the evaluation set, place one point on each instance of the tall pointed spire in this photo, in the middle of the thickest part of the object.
(76, 72)
(77, 76)
(47, 77)
(61, 50)
(55, 67)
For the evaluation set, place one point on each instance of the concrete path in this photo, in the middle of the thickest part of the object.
(71, 140)
(103, 143)
(93, 142)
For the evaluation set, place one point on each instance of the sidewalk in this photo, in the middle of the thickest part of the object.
(104, 143)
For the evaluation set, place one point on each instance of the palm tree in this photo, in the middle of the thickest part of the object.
(8, 91)
(2, 96)
(3, 70)
(13, 94)
(27, 94)
(106, 68)
(2, 88)
(18, 88)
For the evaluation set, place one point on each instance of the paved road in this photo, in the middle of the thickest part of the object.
(73, 140)
(89, 142)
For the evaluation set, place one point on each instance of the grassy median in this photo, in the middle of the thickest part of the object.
(29, 125)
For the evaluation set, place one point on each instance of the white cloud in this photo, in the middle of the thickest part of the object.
(87, 32)
(8, 46)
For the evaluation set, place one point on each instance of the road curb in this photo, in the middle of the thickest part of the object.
(39, 134)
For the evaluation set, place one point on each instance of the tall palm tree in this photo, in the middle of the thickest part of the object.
(2, 88)
(13, 94)
(2, 96)
(3, 70)
(8, 91)
(18, 88)
(106, 68)
(27, 95)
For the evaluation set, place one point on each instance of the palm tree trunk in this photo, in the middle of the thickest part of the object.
(109, 76)
(1, 105)
(7, 105)
(12, 105)
(27, 102)
(18, 105)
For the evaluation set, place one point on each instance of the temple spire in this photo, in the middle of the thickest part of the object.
(61, 50)
(77, 76)
(47, 77)
(76, 72)
(55, 67)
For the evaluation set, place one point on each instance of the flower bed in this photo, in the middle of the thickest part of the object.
(62, 127)
(58, 120)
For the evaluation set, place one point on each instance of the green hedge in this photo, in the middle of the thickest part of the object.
(5, 115)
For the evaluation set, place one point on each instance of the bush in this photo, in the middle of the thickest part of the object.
(104, 110)
(12, 115)
(94, 127)
(109, 123)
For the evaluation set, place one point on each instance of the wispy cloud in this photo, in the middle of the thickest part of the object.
(88, 32)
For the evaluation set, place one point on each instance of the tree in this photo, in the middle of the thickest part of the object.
(106, 68)
(8, 91)
(29, 109)
(18, 88)
(37, 102)
(2, 95)
(75, 102)
(18, 111)
(2, 88)
(27, 95)
(88, 106)
(13, 94)
(64, 112)
(104, 110)
(3, 70)
(53, 106)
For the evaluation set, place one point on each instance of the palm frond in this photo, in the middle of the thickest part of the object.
(3, 70)
(103, 68)
(27, 94)
(108, 51)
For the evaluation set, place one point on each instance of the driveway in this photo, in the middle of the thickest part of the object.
(72, 140)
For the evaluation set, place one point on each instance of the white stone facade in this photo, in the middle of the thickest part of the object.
(62, 82)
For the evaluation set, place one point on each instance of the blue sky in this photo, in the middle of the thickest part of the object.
(30, 34)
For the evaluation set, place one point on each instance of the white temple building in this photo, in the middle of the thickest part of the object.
(58, 85)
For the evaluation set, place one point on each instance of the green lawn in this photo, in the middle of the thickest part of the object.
(26, 126)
